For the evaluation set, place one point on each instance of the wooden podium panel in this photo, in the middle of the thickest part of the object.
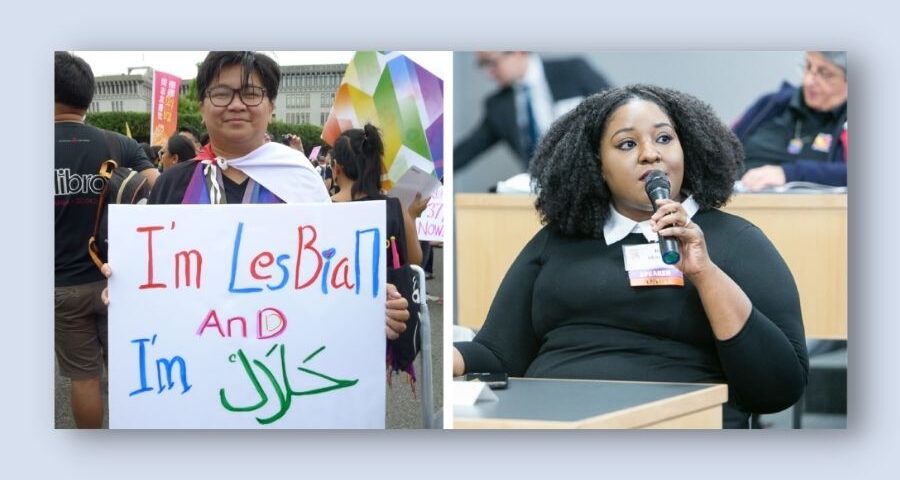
(809, 230)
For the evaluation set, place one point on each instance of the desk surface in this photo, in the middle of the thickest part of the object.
(541, 403)
(809, 230)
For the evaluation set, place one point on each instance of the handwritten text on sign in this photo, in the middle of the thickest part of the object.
(247, 316)
(430, 225)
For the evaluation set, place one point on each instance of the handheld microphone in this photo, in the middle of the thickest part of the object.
(657, 187)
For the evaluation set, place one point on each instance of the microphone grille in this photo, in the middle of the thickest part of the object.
(656, 179)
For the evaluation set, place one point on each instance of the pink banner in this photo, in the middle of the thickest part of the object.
(164, 115)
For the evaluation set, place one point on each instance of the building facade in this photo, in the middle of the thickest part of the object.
(123, 93)
(305, 95)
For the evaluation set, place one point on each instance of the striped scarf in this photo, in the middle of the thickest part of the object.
(207, 187)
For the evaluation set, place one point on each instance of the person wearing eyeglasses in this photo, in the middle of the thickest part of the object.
(237, 93)
(179, 148)
(533, 93)
(799, 133)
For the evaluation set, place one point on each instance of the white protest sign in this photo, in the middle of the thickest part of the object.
(247, 316)
(430, 225)
(414, 181)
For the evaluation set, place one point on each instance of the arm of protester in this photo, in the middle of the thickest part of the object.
(413, 249)
(296, 143)
(417, 206)
(151, 174)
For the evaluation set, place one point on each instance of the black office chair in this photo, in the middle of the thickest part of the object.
(826, 389)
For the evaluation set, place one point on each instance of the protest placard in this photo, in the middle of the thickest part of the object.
(430, 225)
(164, 107)
(247, 316)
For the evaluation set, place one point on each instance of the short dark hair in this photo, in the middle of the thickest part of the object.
(268, 71)
(573, 198)
(74, 81)
(182, 146)
(359, 152)
(152, 152)
(188, 129)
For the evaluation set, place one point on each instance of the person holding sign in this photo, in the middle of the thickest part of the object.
(237, 93)
(358, 162)
(590, 297)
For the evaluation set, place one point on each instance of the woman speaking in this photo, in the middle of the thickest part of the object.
(589, 296)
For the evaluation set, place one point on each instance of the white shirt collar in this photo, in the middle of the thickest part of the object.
(534, 74)
(618, 226)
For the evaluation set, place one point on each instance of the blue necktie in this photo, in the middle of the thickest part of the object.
(529, 130)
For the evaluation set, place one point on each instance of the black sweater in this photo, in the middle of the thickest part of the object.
(565, 310)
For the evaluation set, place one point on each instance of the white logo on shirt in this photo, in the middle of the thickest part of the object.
(68, 183)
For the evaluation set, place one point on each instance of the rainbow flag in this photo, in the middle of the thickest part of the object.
(400, 97)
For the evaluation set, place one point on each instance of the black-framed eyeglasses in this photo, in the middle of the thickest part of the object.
(222, 96)
(826, 75)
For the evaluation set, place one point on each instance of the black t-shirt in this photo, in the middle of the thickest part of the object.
(394, 226)
(170, 186)
(770, 143)
(79, 152)
(234, 192)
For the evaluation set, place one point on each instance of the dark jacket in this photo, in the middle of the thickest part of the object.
(832, 172)
(566, 78)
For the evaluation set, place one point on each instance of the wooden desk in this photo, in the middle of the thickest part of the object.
(563, 404)
(809, 230)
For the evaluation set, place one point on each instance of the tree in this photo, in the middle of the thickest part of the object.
(188, 103)
(139, 123)
(309, 134)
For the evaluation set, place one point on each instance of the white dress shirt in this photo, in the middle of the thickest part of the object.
(618, 226)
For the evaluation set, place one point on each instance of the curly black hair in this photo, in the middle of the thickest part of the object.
(572, 196)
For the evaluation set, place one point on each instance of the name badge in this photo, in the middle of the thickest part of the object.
(646, 268)
(822, 143)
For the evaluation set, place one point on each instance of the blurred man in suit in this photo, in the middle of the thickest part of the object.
(533, 93)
